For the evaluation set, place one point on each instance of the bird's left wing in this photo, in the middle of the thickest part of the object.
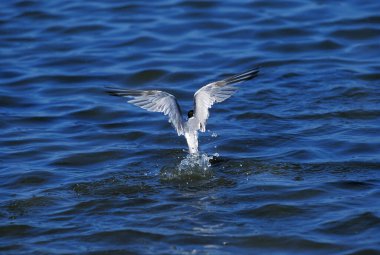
(154, 101)
(216, 92)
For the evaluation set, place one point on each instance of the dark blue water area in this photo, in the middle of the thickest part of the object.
(296, 166)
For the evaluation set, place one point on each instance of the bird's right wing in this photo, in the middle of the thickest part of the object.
(154, 101)
(217, 92)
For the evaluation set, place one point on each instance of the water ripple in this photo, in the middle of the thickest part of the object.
(294, 154)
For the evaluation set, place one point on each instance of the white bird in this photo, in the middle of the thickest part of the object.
(204, 98)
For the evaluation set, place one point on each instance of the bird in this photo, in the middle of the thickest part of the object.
(204, 98)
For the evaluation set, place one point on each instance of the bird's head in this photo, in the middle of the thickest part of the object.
(190, 114)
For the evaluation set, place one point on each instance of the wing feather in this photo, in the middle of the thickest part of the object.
(154, 101)
(217, 92)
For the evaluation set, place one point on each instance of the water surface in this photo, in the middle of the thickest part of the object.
(85, 173)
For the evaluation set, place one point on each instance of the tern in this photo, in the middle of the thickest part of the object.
(204, 98)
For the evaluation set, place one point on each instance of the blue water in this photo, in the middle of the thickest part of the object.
(296, 150)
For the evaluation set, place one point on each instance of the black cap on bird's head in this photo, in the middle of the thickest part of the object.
(190, 114)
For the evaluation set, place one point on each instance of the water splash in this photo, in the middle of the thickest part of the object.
(213, 134)
(195, 161)
(191, 168)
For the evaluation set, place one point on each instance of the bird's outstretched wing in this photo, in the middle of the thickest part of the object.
(154, 101)
(216, 92)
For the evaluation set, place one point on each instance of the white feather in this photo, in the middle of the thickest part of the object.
(155, 101)
(204, 98)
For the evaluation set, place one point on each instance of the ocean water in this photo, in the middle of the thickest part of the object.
(296, 166)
